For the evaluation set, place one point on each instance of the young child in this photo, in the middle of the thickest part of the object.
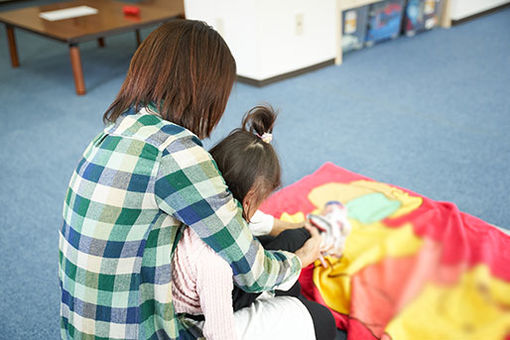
(202, 280)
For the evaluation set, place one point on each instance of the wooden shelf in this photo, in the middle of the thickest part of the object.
(342, 5)
(348, 4)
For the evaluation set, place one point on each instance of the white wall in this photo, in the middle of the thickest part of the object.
(262, 33)
(463, 8)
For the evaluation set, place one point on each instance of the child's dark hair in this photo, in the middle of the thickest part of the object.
(245, 160)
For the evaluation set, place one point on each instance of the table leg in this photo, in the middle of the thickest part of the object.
(12, 45)
(138, 37)
(74, 52)
(100, 42)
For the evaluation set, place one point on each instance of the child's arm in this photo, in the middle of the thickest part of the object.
(265, 224)
(280, 226)
(214, 288)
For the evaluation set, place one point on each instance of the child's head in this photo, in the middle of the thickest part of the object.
(247, 160)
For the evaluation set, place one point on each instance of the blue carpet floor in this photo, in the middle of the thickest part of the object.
(429, 113)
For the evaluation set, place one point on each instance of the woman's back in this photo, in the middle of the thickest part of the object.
(115, 238)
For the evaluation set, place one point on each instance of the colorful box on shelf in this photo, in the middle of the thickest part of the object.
(354, 28)
(384, 20)
(421, 15)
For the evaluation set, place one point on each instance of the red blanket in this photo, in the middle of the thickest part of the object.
(413, 268)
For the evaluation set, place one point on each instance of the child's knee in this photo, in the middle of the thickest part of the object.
(295, 237)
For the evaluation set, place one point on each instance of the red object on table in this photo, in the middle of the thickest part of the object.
(131, 10)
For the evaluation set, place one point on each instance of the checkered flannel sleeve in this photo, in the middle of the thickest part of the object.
(190, 187)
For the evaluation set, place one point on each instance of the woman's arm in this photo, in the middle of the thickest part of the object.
(189, 187)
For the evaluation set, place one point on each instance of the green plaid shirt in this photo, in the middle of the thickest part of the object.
(138, 183)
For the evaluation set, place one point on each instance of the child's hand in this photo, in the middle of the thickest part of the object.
(334, 228)
(311, 250)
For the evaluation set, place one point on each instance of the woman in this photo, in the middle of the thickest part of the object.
(143, 178)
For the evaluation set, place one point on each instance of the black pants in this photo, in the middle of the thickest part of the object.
(291, 240)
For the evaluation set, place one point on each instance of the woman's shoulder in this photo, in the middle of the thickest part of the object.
(152, 129)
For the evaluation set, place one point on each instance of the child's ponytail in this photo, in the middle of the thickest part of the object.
(259, 120)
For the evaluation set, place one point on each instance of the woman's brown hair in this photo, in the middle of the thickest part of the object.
(246, 161)
(186, 70)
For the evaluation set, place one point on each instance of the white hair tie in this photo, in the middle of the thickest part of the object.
(266, 137)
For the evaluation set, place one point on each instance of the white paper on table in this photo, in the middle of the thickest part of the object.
(67, 13)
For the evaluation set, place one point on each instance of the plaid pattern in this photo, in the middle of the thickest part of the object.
(138, 183)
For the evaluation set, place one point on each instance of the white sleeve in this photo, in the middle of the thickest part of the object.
(261, 224)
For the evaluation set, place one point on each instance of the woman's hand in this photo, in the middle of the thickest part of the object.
(311, 250)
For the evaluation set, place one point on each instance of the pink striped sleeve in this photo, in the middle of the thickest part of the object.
(214, 287)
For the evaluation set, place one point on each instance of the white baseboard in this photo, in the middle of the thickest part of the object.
(460, 9)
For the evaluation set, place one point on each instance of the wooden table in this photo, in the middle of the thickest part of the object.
(109, 20)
